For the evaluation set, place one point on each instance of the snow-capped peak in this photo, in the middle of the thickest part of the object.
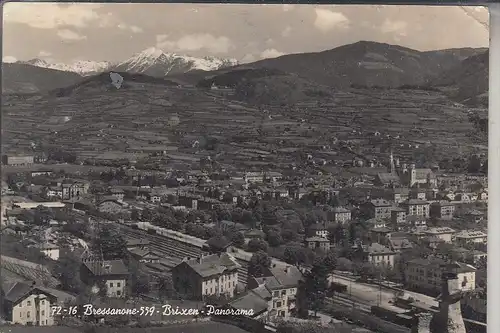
(35, 62)
(82, 67)
(151, 52)
(155, 62)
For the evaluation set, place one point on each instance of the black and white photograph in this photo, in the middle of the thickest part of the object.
(182, 168)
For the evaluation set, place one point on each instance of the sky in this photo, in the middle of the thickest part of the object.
(65, 33)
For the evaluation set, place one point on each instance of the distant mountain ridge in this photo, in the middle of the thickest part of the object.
(152, 62)
(24, 78)
(467, 82)
(368, 64)
(83, 67)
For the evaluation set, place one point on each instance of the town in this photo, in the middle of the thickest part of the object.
(292, 249)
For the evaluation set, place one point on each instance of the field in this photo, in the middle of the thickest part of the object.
(190, 124)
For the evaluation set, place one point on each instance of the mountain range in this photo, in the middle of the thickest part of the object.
(364, 63)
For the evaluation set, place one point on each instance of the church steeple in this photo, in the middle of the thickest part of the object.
(393, 169)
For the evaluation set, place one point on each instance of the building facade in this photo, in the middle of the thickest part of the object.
(212, 275)
(25, 304)
(111, 274)
(443, 210)
(426, 274)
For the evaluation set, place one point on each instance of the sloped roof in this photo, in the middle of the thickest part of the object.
(387, 178)
(252, 300)
(213, 264)
(286, 276)
(16, 291)
(107, 267)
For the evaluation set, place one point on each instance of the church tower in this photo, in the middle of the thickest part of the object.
(391, 161)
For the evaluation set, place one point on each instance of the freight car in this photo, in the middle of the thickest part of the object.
(338, 287)
(401, 319)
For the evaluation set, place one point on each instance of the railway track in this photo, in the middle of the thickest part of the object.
(174, 249)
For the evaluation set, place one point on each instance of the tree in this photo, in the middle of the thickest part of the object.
(255, 245)
(111, 243)
(366, 271)
(329, 261)
(135, 215)
(78, 229)
(165, 287)
(259, 264)
(43, 215)
(474, 165)
(296, 255)
(248, 219)
(67, 270)
(344, 264)
(312, 291)
(274, 238)
(237, 238)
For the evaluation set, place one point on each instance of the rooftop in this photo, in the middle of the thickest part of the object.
(471, 234)
(106, 267)
(380, 203)
(433, 262)
(214, 264)
(439, 230)
(417, 202)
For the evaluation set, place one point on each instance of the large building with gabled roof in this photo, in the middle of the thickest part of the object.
(211, 275)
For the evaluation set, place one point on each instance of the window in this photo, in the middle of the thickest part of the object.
(118, 292)
(278, 304)
(111, 284)
(28, 314)
(42, 302)
(276, 294)
(118, 284)
(43, 312)
(29, 303)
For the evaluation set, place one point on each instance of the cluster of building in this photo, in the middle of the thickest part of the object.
(399, 208)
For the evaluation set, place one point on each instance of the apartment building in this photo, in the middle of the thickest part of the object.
(316, 242)
(378, 209)
(398, 217)
(112, 273)
(443, 210)
(375, 253)
(212, 275)
(466, 237)
(444, 233)
(417, 207)
(18, 160)
(341, 215)
(426, 274)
